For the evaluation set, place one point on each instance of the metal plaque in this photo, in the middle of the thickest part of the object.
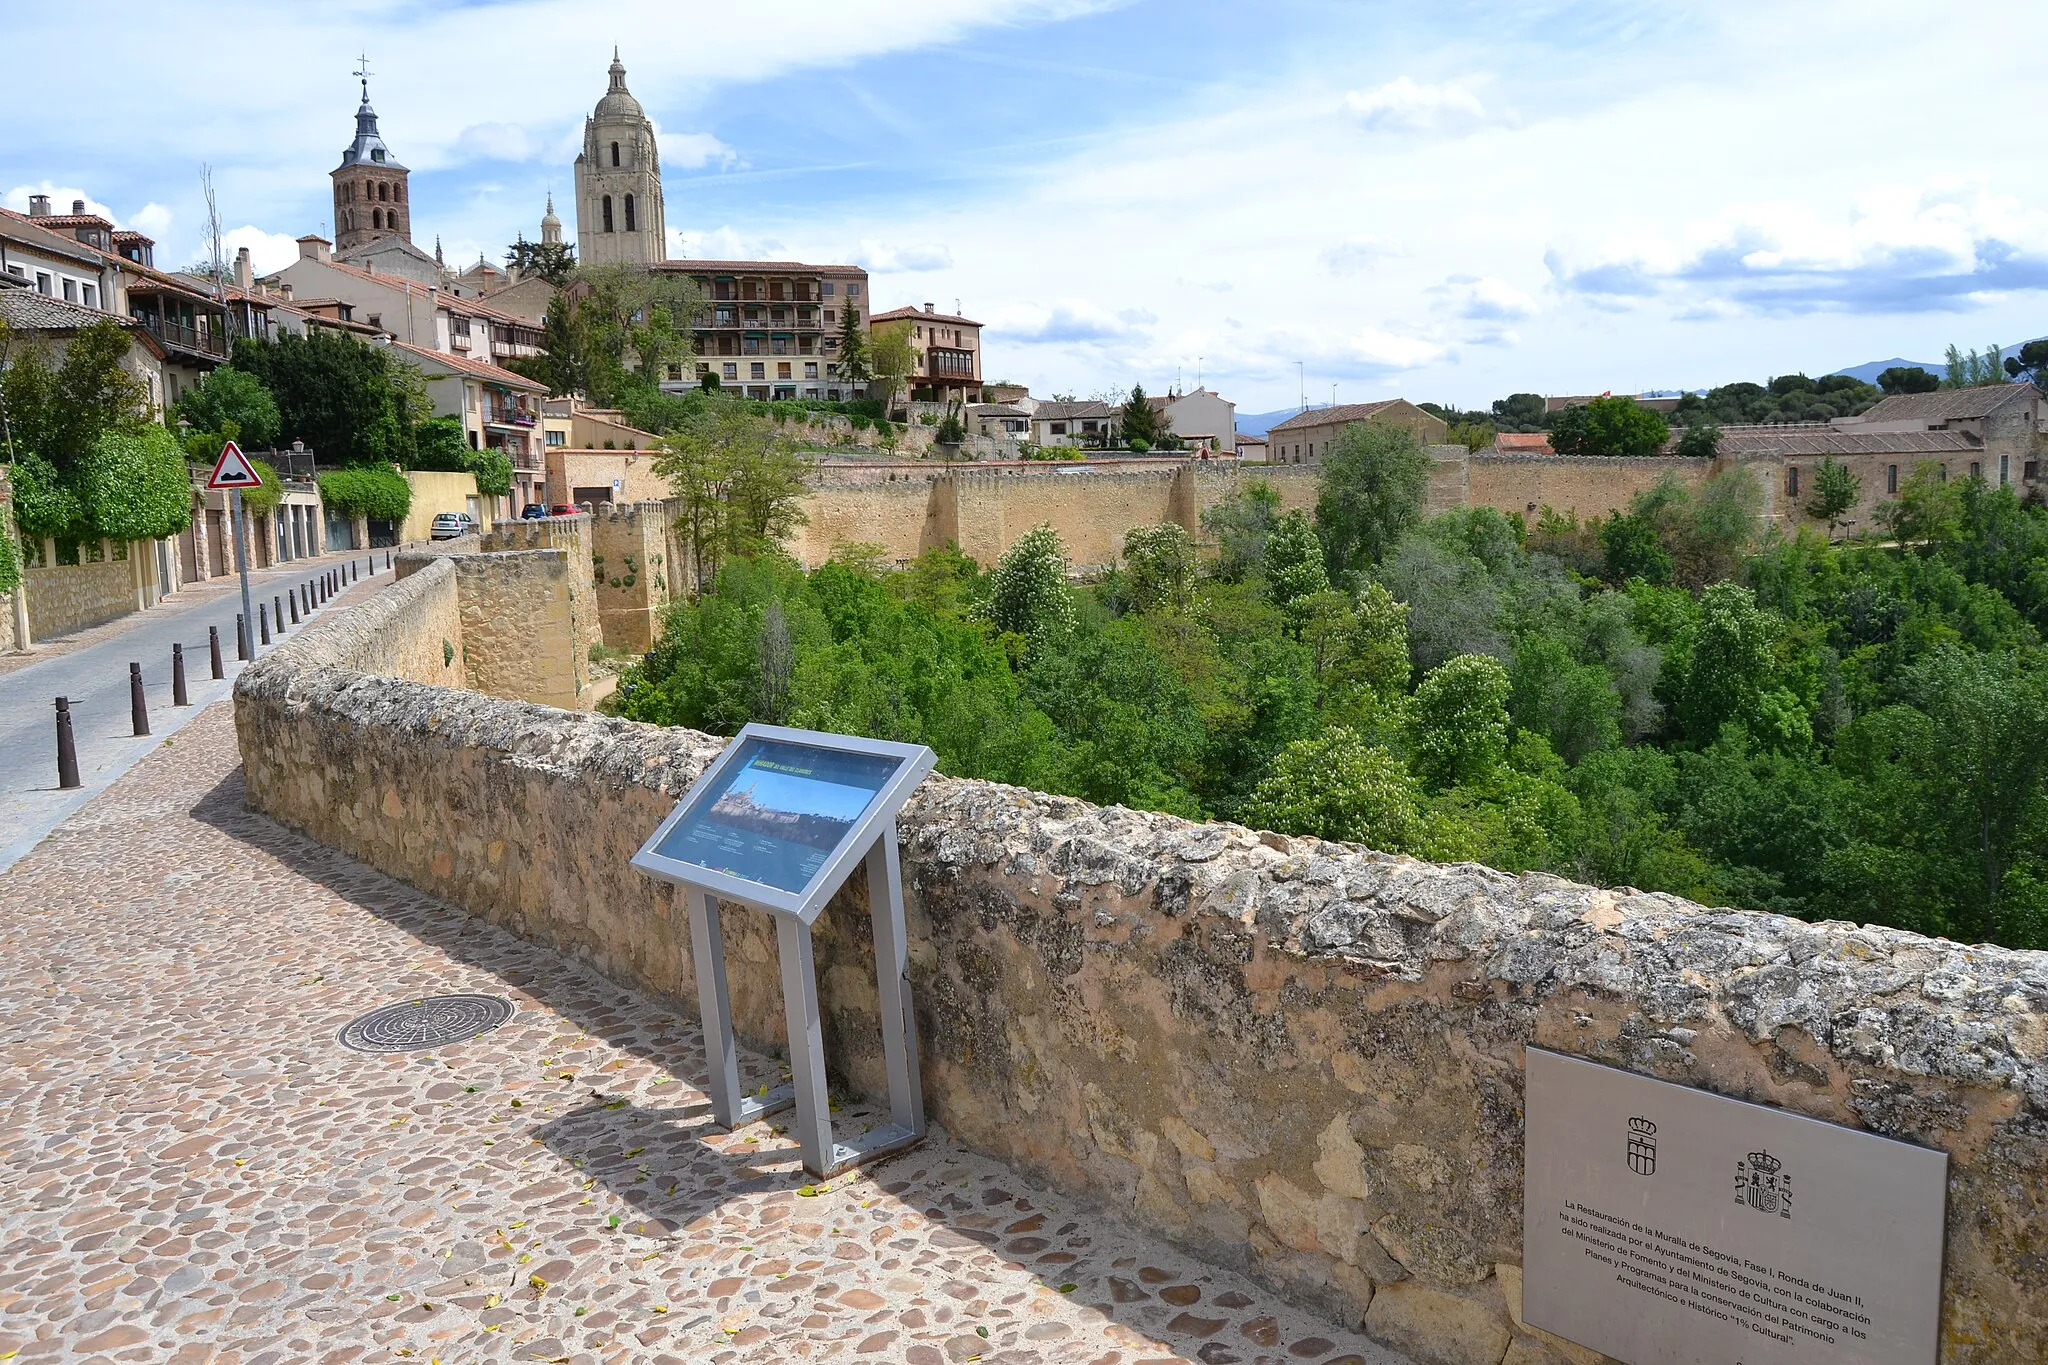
(1664, 1225)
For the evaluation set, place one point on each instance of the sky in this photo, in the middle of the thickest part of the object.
(1289, 200)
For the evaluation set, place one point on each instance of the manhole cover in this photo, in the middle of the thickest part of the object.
(433, 1022)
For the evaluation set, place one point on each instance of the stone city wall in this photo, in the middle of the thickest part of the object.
(630, 563)
(67, 597)
(1297, 1058)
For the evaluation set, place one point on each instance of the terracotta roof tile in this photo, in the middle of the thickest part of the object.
(475, 369)
(1344, 412)
(1945, 405)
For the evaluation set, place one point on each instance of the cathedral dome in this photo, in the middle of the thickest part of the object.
(618, 102)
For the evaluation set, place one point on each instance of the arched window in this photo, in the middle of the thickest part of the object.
(376, 218)
(629, 215)
(615, 154)
(384, 192)
(398, 193)
(607, 213)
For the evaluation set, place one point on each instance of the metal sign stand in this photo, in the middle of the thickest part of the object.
(731, 1109)
(871, 840)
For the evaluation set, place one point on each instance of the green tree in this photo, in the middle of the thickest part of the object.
(1908, 379)
(2030, 363)
(1458, 721)
(1732, 674)
(1700, 442)
(1294, 559)
(1835, 489)
(554, 262)
(1520, 412)
(134, 485)
(338, 395)
(60, 412)
(853, 349)
(892, 359)
(1139, 421)
(1375, 481)
(1379, 656)
(1970, 370)
(227, 405)
(1337, 786)
(1611, 425)
(1160, 567)
(440, 443)
(563, 362)
(1239, 525)
(1026, 594)
(739, 480)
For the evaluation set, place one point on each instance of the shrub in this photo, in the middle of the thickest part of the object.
(1337, 786)
(270, 494)
(369, 491)
(10, 561)
(135, 486)
(44, 504)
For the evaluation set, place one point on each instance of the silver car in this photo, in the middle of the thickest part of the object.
(448, 525)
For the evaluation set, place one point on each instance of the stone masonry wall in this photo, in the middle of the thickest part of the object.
(1299, 1058)
(630, 571)
(526, 614)
(67, 597)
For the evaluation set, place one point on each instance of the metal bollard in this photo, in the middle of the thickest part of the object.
(67, 748)
(241, 637)
(263, 623)
(138, 704)
(213, 650)
(179, 696)
(387, 560)
(293, 599)
(277, 610)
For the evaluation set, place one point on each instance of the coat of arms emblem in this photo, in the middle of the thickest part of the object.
(1762, 1182)
(1642, 1146)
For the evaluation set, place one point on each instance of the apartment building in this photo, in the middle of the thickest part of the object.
(948, 353)
(1305, 437)
(499, 411)
(770, 329)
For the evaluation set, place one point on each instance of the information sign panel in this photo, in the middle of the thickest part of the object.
(1665, 1225)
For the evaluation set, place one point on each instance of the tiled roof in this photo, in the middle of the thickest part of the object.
(30, 232)
(755, 267)
(1825, 440)
(1947, 405)
(918, 314)
(29, 310)
(475, 369)
(1062, 412)
(1525, 442)
(995, 410)
(54, 221)
(1346, 412)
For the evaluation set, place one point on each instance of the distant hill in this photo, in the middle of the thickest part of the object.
(1259, 423)
(1869, 371)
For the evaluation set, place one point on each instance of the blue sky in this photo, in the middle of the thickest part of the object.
(1451, 204)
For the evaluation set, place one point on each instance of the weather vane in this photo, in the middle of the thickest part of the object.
(363, 72)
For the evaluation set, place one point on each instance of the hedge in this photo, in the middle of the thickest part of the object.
(10, 561)
(367, 490)
(135, 486)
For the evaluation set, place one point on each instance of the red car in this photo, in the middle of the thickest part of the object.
(564, 509)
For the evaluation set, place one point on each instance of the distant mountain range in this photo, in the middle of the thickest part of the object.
(1258, 423)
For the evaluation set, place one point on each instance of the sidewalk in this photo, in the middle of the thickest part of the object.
(91, 669)
(194, 1170)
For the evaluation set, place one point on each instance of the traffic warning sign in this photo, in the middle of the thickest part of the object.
(233, 470)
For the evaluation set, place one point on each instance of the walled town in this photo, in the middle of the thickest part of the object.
(1387, 870)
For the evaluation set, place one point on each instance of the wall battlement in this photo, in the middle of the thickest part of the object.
(1298, 1058)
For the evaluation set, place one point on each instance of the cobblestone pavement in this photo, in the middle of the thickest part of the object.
(192, 1169)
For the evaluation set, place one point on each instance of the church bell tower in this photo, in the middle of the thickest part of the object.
(371, 199)
(619, 217)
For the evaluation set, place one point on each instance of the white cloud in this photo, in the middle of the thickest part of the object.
(1071, 320)
(1404, 105)
(63, 198)
(153, 219)
(1485, 299)
(717, 244)
(268, 251)
(1355, 254)
(884, 259)
(688, 151)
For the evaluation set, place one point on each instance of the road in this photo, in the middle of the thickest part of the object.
(95, 679)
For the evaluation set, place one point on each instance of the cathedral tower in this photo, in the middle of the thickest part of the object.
(618, 182)
(370, 196)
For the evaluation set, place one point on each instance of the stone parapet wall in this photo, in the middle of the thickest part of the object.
(630, 571)
(1298, 1058)
(67, 597)
(526, 615)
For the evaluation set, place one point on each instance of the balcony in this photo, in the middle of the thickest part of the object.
(184, 337)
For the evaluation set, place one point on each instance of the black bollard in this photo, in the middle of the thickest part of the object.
(67, 749)
(277, 610)
(213, 650)
(241, 637)
(263, 623)
(179, 697)
(293, 599)
(138, 704)
(387, 559)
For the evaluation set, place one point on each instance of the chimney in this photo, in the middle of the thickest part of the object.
(39, 206)
(245, 276)
(929, 309)
(286, 291)
(312, 248)
(78, 208)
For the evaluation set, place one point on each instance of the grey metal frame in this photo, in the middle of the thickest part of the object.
(872, 839)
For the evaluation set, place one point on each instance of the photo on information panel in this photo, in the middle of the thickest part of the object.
(777, 812)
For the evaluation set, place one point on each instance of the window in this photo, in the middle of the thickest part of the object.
(826, 290)
(759, 370)
(17, 272)
(398, 193)
(1976, 470)
(2004, 470)
(377, 154)
(810, 369)
(43, 282)
(376, 319)
(732, 370)
(71, 291)
(782, 370)
(1059, 428)
(1891, 478)
(831, 315)
(558, 438)
(607, 213)
(92, 298)
(615, 154)
(853, 289)
(1792, 481)
(384, 193)
(376, 218)
(631, 226)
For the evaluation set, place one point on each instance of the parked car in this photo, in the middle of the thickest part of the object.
(448, 525)
(564, 509)
(533, 511)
